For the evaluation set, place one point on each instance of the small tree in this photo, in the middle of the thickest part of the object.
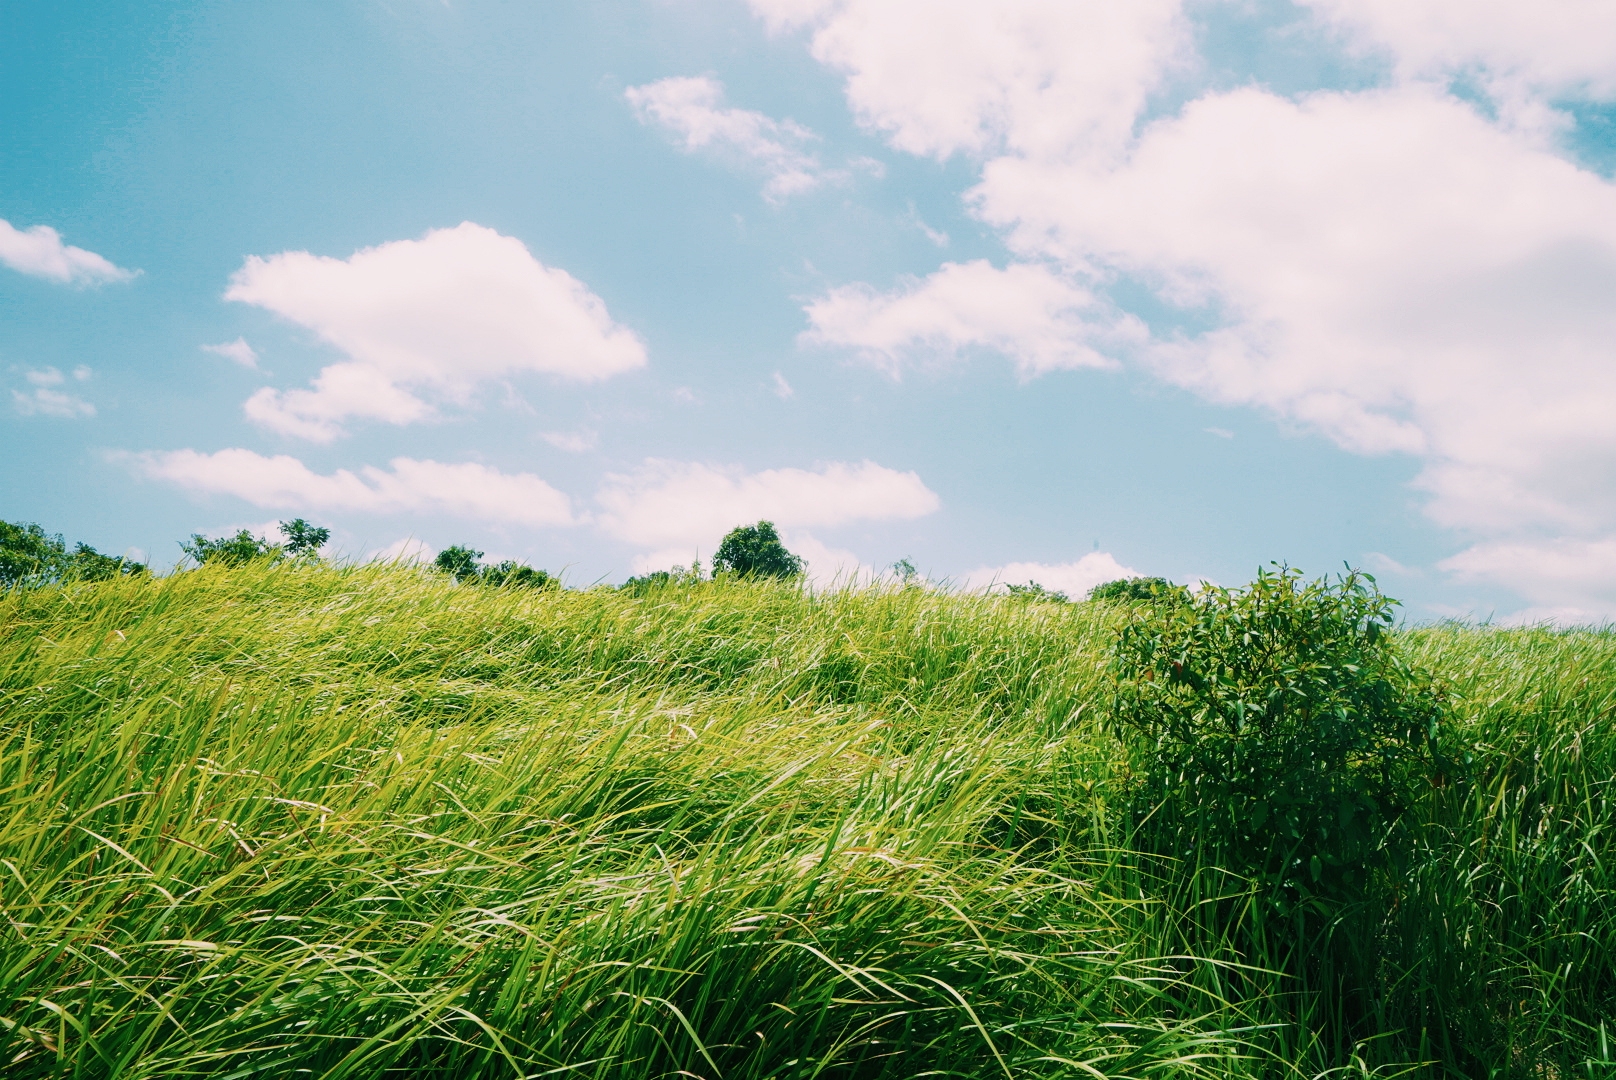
(237, 550)
(31, 556)
(1277, 730)
(1137, 588)
(465, 566)
(87, 564)
(756, 551)
(303, 538)
(1034, 591)
(459, 562)
(515, 575)
(664, 579)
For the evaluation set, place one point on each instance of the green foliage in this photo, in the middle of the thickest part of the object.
(237, 550)
(465, 566)
(1034, 591)
(657, 580)
(1280, 732)
(755, 551)
(461, 563)
(28, 554)
(303, 539)
(31, 556)
(1138, 588)
(517, 576)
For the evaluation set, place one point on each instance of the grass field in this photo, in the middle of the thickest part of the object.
(312, 821)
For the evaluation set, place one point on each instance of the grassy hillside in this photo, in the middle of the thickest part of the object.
(355, 822)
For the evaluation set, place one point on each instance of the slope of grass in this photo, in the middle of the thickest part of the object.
(355, 822)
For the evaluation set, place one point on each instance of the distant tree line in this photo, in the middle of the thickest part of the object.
(30, 556)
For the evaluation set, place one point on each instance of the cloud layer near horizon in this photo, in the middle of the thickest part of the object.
(679, 509)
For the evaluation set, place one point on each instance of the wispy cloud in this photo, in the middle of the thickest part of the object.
(1025, 311)
(39, 252)
(573, 442)
(46, 398)
(677, 508)
(693, 109)
(237, 351)
(1075, 579)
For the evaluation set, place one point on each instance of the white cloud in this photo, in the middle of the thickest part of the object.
(431, 317)
(237, 351)
(1564, 580)
(1075, 579)
(39, 251)
(573, 442)
(693, 109)
(677, 509)
(407, 550)
(1033, 76)
(1025, 311)
(45, 399)
(1394, 270)
(782, 389)
(1397, 268)
(1551, 46)
(466, 490)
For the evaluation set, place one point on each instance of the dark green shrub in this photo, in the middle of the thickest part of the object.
(303, 538)
(465, 566)
(1034, 591)
(756, 551)
(1137, 588)
(237, 550)
(517, 576)
(1277, 731)
(31, 556)
(461, 563)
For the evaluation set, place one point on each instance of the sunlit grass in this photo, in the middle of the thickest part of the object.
(351, 822)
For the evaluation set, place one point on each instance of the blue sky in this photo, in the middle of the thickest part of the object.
(1035, 289)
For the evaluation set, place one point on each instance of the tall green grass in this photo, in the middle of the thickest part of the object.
(353, 822)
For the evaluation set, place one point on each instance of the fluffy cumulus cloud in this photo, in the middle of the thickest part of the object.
(406, 486)
(422, 322)
(693, 110)
(1025, 311)
(39, 252)
(1075, 579)
(1399, 268)
(47, 395)
(675, 510)
(1030, 76)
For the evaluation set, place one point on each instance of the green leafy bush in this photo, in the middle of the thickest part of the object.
(464, 564)
(663, 579)
(31, 556)
(1137, 588)
(1278, 730)
(303, 539)
(1034, 591)
(459, 562)
(237, 550)
(756, 551)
